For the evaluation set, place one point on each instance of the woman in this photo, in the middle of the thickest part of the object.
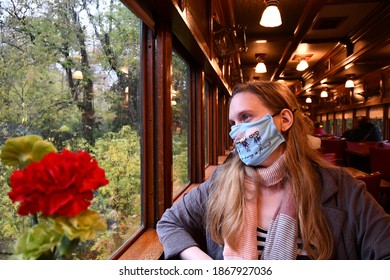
(275, 198)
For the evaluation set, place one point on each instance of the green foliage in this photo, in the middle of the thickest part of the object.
(43, 42)
(180, 84)
(11, 224)
(120, 201)
(180, 119)
(180, 161)
(120, 156)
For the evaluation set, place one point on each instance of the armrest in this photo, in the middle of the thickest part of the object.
(146, 247)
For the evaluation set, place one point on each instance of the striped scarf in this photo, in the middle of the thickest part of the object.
(281, 242)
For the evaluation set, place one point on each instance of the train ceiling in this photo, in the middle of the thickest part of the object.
(336, 37)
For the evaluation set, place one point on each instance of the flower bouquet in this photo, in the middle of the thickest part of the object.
(56, 189)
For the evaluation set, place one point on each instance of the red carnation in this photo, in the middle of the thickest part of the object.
(59, 184)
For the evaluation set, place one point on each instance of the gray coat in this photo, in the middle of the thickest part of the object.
(360, 227)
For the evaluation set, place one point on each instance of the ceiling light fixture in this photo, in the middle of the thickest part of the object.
(302, 60)
(271, 15)
(260, 67)
(302, 65)
(308, 100)
(349, 83)
(324, 93)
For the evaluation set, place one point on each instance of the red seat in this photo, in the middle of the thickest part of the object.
(362, 147)
(385, 144)
(330, 157)
(380, 161)
(337, 147)
(373, 182)
(358, 155)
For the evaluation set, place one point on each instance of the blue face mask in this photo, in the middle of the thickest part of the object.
(255, 141)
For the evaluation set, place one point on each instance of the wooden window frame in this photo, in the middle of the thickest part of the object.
(157, 46)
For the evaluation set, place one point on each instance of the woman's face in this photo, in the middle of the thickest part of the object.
(246, 107)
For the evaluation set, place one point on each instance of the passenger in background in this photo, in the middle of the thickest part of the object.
(364, 131)
(275, 197)
(318, 128)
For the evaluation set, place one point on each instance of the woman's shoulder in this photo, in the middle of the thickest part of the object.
(335, 172)
(337, 180)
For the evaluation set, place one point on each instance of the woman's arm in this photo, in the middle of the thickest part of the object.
(194, 253)
(372, 225)
(182, 224)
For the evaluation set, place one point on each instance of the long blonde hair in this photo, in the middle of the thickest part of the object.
(227, 199)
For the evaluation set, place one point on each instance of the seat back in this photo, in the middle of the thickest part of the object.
(385, 144)
(373, 182)
(380, 161)
(335, 146)
(330, 157)
(363, 147)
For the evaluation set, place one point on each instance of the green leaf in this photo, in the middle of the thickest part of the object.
(21, 151)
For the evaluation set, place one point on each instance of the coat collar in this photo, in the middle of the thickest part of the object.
(330, 183)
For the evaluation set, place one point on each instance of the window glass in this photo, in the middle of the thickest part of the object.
(330, 123)
(180, 94)
(376, 117)
(339, 123)
(348, 117)
(70, 73)
(360, 112)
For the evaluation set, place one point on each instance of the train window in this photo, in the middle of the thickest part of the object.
(360, 112)
(376, 116)
(322, 120)
(180, 126)
(330, 123)
(348, 118)
(70, 73)
(339, 123)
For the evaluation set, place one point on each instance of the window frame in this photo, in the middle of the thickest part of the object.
(157, 46)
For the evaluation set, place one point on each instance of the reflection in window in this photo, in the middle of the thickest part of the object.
(74, 80)
(180, 93)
